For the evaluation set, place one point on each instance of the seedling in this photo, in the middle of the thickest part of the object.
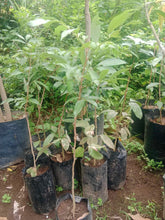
(148, 210)
(59, 188)
(4, 179)
(6, 198)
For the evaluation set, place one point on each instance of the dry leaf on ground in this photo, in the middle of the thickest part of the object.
(137, 217)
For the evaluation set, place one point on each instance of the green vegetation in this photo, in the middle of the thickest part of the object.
(149, 210)
(6, 198)
(138, 148)
(58, 74)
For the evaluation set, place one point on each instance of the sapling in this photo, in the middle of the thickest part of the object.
(162, 48)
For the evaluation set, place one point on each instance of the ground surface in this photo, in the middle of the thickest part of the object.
(142, 185)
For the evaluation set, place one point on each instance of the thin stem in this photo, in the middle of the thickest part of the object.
(27, 93)
(39, 113)
(26, 105)
(160, 89)
(59, 126)
(87, 20)
(73, 165)
(153, 29)
(126, 90)
(148, 94)
(31, 145)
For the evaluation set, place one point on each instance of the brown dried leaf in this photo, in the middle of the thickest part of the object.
(83, 216)
(59, 158)
(137, 217)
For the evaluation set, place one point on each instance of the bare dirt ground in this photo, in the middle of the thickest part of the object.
(140, 184)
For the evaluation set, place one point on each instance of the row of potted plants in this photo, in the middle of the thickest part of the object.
(101, 168)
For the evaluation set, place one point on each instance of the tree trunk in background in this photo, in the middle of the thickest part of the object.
(6, 105)
(87, 20)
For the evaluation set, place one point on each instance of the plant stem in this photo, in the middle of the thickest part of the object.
(126, 90)
(39, 113)
(148, 94)
(27, 93)
(26, 105)
(59, 126)
(31, 146)
(88, 33)
(153, 29)
(73, 165)
(87, 20)
(160, 89)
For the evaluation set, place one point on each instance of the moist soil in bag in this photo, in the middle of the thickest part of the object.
(65, 205)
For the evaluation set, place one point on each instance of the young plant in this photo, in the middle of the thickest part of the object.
(91, 140)
(6, 198)
(57, 138)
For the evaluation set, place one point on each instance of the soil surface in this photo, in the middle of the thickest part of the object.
(140, 184)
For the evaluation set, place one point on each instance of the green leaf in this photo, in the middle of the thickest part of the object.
(94, 76)
(34, 101)
(107, 141)
(91, 101)
(136, 109)
(79, 152)
(94, 153)
(159, 104)
(66, 33)
(112, 62)
(110, 114)
(160, 13)
(32, 171)
(95, 29)
(78, 107)
(151, 85)
(123, 133)
(115, 34)
(155, 61)
(65, 143)
(57, 84)
(8, 100)
(48, 139)
(15, 73)
(59, 29)
(89, 131)
(82, 123)
(36, 143)
(37, 22)
(119, 20)
(83, 140)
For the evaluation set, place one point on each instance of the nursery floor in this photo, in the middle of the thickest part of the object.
(142, 185)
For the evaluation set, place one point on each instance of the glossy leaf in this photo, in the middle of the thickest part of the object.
(119, 20)
(112, 62)
(82, 123)
(107, 141)
(66, 33)
(94, 153)
(78, 107)
(79, 152)
(48, 139)
(136, 109)
(37, 22)
(65, 143)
